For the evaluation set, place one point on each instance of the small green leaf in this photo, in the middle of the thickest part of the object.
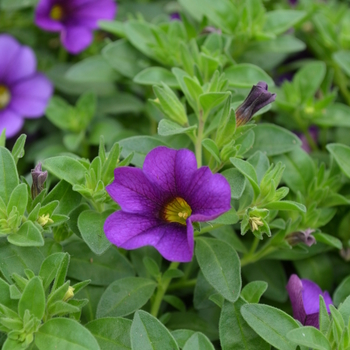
(341, 154)
(18, 199)
(149, 333)
(18, 148)
(8, 174)
(155, 75)
(342, 291)
(27, 236)
(236, 180)
(343, 59)
(125, 296)
(279, 21)
(212, 148)
(310, 337)
(220, 265)
(198, 341)
(168, 127)
(253, 291)
(286, 205)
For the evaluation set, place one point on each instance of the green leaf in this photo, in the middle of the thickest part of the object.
(156, 75)
(253, 291)
(236, 180)
(33, 299)
(92, 69)
(27, 236)
(18, 148)
(279, 21)
(245, 75)
(329, 240)
(63, 334)
(111, 333)
(271, 324)
(141, 146)
(8, 174)
(66, 168)
(247, 170)
(101, 269)
(147, 333)
(343, 59)
(342, 291)
(118, 103)
(286, 205)
(341, 154)
(273, 140)
(124, 58)
(210, 100)
(198, 341)
(229, 218)
(212, 148)
(337, 114)
(220, 265)
(310, 337)
(181, 336)
(90, 224)
(18, 199)
(235, 334)
(168, 127)
(176, 302)
(125, 296)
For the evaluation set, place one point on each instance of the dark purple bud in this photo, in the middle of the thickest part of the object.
(304, 296)
(258, 98)
(301, 237)
(39, 177)
(175, 16)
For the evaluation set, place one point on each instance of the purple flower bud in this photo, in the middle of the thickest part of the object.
(258, 98)
(305, 298)
(302, 237)
(39, 177)
(175, 16)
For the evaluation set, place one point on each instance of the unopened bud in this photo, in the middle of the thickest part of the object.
(69, 294)
(45, 219)
(39, 177)
(301, 237)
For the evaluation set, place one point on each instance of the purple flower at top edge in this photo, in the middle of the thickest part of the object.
(160, 202)
(258, 98)
(74, 19)
(305, 298)
(23, 91)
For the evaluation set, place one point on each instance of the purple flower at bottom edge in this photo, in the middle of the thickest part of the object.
(160, 202)
(23, 91)
(305, 298)
(258, 98)
(74, 19)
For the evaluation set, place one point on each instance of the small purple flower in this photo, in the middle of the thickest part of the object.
(302, 237)
(23, 91)
(258, 98)
(39, 177)
(74, 19)
(160, 202)
(305, 298)
(175, 16)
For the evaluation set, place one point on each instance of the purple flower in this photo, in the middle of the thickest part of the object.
(160, 202)
(23, 91)
(305, 145)
(175, 16)
(305, 298)
(302, 237)
(258, 98)
(74, 19)
(39, 177)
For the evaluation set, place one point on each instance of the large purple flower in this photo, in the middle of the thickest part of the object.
(23, 91)
(160, 202)
(74, 19)
(305, 298)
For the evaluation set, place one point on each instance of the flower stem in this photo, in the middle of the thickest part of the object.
(163, 285)
(183, 284)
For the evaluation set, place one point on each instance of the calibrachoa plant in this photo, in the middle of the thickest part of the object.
(174, 175)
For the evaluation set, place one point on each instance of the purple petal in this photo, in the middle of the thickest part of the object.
(43, 18)
(130, 231)
(312, 320)
(10, 121)
(209, 195)
(29, 97)
(311, 296)
(262, 84)
(9, 48)
(170, 170)
(294, 289)
(328, 300)
(90, 13)
(76, 39)
(132, 190)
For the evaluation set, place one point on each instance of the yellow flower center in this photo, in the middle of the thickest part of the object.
(44, 219)
(255, 222)
(176, 210)
(5, 96)
(57, 12)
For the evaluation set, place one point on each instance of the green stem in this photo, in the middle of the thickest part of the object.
(198, 144)
(163, 285)
(208, 229)
(182, 284)
(250, 259)
(62, 54)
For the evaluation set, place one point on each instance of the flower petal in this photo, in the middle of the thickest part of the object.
(312, 320)
(29, 97)
(209, 195)
(75, 39)
(10, 121)
(131, 231)
(311, 296)
(294, 289)
(132, 190)
(170, 170)
(9, 48)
